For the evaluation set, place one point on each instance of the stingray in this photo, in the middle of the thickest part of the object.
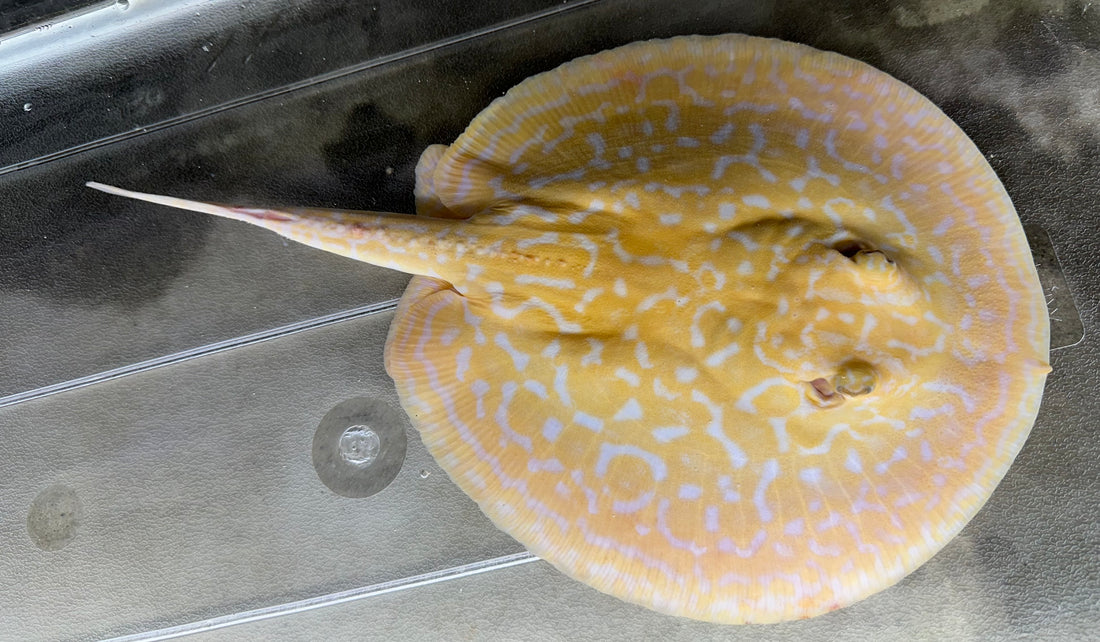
(728, 327)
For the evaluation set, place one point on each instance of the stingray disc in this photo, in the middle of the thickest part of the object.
(751, 332)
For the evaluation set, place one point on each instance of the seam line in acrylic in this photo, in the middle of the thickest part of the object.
(200, 351)
(294, 86)
(332, 599)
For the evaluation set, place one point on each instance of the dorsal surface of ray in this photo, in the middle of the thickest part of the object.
(777, 338)
(728, 327)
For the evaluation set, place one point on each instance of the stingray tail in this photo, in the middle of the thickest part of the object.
(248, 215)
(413, 244)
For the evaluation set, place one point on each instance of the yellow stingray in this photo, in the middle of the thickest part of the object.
(728, 327)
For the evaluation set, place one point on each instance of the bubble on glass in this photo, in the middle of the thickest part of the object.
(28, 106)
(359, 445)
(123, 4)
(425, 473)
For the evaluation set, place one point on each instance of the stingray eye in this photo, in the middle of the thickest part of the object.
(849, 248)
(864, 255)
(874, 261)
(855, 378)
(852, 379)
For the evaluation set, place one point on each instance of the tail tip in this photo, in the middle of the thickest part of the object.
(103, 187)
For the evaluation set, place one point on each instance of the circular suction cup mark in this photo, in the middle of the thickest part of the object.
(54, 517)
(359, 447)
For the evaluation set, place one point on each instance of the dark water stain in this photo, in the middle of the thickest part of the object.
(856, 29)
(63, 241)
(370, 21)
(54, 518)
(1031, 45)
(994, 128)
(371, 157)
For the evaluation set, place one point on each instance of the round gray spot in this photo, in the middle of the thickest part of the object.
(54, 517)
(360, 446)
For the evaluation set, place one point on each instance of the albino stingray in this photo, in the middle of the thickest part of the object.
(727, 327)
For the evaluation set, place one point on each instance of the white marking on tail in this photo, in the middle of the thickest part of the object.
(827, 443)
(549, 238)
(726, 545)
(937, 386)
(560, 284)
(718, 358)
(462, 362)
(508, 392)
(479, 388)
(530, 303)
(588, 245)
(551, 465)
(595, 424)
(536, 388)
(594, 356)
(715, 429)
(633, 505)
(628, 376)
(589, 297)
(552, 349)
(652, 300)
(657, 467)
(746, 402)
(666, 434)
(810, 476)
(631, 411)
(661, 391)
(743, 239)
(899, 454)
(722, 134)
(725, 484)
(520, 359)
(561, 373)
(852, 463)
(710, 519)
(779, 427)
(619, 288)
(663, 529)
(697, 339)
(689, 492)
(752, 158)
(551, 429)
(794, 527)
